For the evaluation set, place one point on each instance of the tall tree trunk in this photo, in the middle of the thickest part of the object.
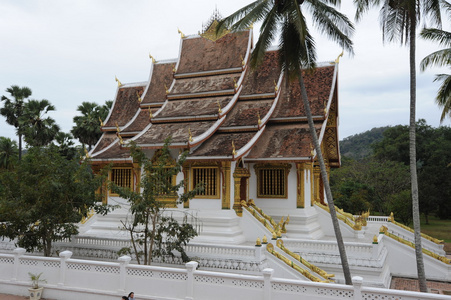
(330, 200)
(20, 146)
(413, 159)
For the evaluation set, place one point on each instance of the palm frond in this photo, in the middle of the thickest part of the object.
(244, 17)
(439, 58)
(443, 98)
(440, 36)
(332, 23)
(363, 6)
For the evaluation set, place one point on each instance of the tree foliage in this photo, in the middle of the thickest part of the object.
(43, 198)
(8, 153)
(154, 231)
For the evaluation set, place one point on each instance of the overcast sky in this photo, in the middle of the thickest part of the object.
(70, 51)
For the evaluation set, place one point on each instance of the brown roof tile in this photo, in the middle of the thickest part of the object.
(283, 141)
(220, 144)
(201, 54)
(204, 84)
(114, 152)
(157, 133)
(245, 113)
(125, 106)
(162, 74)
(140, 122)
(193, 107)
(106, 139)
(261, 80)
(318, 85)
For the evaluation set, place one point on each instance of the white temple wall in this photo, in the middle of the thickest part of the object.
(289, 202)
(308, 192)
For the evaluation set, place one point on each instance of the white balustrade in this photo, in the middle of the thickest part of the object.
(68, 278)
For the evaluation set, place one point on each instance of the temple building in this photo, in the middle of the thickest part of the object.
(248, 140)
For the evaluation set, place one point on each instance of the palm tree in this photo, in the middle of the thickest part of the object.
(38, 131)
(8, 153)
(399, 20)
(13, 109)
(87, 126)
(297, 52)
(440, 58)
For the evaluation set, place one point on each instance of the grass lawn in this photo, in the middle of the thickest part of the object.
(439, 229)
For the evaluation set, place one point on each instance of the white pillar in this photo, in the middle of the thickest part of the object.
(65, 255)
(357, 282)
(267, 290)
(124, 261)
(190, 267)
(18, 252)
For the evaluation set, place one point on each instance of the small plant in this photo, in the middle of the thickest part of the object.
(35, 279)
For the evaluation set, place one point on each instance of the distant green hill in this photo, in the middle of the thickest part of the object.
(358, 146)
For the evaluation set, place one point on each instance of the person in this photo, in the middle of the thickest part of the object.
(124, 298)
(131, 296)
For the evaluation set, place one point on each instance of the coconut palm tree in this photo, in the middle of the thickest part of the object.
(296, 52)
(13, 109)
(38, 130)
(440, 58)
(399, 20)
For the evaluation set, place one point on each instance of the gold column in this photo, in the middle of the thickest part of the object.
(186, 173)
(226, 185)
(316, 183)
(300, 201)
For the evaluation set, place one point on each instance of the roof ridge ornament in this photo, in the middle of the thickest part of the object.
(219, 109)
(166, 88)
(276, 88)
(119, 84)
(338, 58)
(259, 122)
(117, 128)
(152, 58)
(181, 33)
(101, 122)
(139, 97)
(150, 114)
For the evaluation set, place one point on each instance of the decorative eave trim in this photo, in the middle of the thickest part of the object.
(201, 94)
(257, 96)
(238, 129)
(274, 104)
(200, 138)
(295, 119)
(208, 73)
(99, 161)
(228, 107)
(194, 158)
(160, 145)
(152, 105)
(246, 148)
(286, 159)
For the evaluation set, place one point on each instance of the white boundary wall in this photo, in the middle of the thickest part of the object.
(80, 279)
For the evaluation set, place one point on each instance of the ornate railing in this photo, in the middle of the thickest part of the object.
(441, 258)
(307, 274)
(312, 267)
(425, 236)
(347, 218)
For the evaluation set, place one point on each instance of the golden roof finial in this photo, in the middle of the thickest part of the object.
(235, 85)
(276, 88)
(101, 122)
(174, 69)
(338, 58)
(150, 113)
(166, 88)
(152, 58)
(233, 149)
(119, 84)
(181, 33)
(219, 107)
(259, 122)
(139, 97)
(242, 60)
(311, 150)
(190, 135)
(117, 128)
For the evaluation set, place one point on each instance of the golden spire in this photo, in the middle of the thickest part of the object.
(152, 58)
(166, 88)
(276, 88)
(139, 97)
(338, 58)
(233, 149)
(190, 135)
(119, 84)
(219, 105)
(181, 33)
(150, 113)
(101, 122)
(259, 122)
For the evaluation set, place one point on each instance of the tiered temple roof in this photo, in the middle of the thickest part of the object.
(211, 102)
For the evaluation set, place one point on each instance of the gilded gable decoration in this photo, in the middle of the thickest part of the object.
(209, 29)
(181, 33)
(152, 58)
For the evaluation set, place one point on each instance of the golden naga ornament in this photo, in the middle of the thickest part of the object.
(117, 128)
(276, 88)
(150, 113)
(190, 136)
(101, 122)
(152, 58)
(338, 58)
(259, 121)
(139, 97)
(119, 84)
(181, 33)
(166, 88)
(233, 149)
(219, 107)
